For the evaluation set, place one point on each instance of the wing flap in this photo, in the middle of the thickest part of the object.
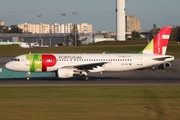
(89, 66)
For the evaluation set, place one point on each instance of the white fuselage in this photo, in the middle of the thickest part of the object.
(113, 62)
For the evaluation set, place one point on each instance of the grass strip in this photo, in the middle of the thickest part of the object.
(90, 103)
(108, 47)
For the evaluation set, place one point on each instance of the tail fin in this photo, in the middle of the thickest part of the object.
(159, 43)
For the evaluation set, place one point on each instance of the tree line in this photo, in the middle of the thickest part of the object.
(10, 29)
(175, 34)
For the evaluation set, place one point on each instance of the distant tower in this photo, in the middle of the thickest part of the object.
(120, 20)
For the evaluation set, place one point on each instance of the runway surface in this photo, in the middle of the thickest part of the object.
(131, 78)
(4, 60)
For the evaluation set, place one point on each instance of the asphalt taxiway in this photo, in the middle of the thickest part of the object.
(130, 78)
(4, 60)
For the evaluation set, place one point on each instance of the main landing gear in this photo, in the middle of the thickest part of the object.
(85, 76)
(160, 67)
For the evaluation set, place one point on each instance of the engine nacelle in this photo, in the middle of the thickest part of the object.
(167, 65)
(64, 73)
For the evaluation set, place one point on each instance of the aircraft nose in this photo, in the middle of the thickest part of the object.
(8, 65)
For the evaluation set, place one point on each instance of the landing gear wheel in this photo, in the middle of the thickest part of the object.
(86, 78)
(153, 68)
(28, 76)
(161, 67)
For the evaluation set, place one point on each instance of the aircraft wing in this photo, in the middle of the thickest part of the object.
(88, 66)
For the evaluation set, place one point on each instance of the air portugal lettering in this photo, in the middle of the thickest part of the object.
(40, 62)
(48, 61)
(161, 40)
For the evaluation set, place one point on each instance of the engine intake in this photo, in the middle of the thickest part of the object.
(167, 65)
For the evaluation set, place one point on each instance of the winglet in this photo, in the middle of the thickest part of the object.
(159, 43)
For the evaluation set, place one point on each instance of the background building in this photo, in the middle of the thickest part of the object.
(85, 28)
(41, 28)
(132, 24)
(1, 22)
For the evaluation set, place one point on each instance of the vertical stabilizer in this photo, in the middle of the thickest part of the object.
(159, 43)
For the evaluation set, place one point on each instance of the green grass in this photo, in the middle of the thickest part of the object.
(90, 103)
(108, 47)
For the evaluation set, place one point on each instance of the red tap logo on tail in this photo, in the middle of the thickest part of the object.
(161, 40)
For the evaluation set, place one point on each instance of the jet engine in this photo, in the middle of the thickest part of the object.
(64, 73)
(167, 65)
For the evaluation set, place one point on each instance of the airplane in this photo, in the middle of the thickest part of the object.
(68, 65)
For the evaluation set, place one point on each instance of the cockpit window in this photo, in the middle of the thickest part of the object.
(16, 59)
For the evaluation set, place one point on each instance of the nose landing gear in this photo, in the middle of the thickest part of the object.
(28, 76)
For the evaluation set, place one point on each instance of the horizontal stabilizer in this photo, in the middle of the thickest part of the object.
(161, 59)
